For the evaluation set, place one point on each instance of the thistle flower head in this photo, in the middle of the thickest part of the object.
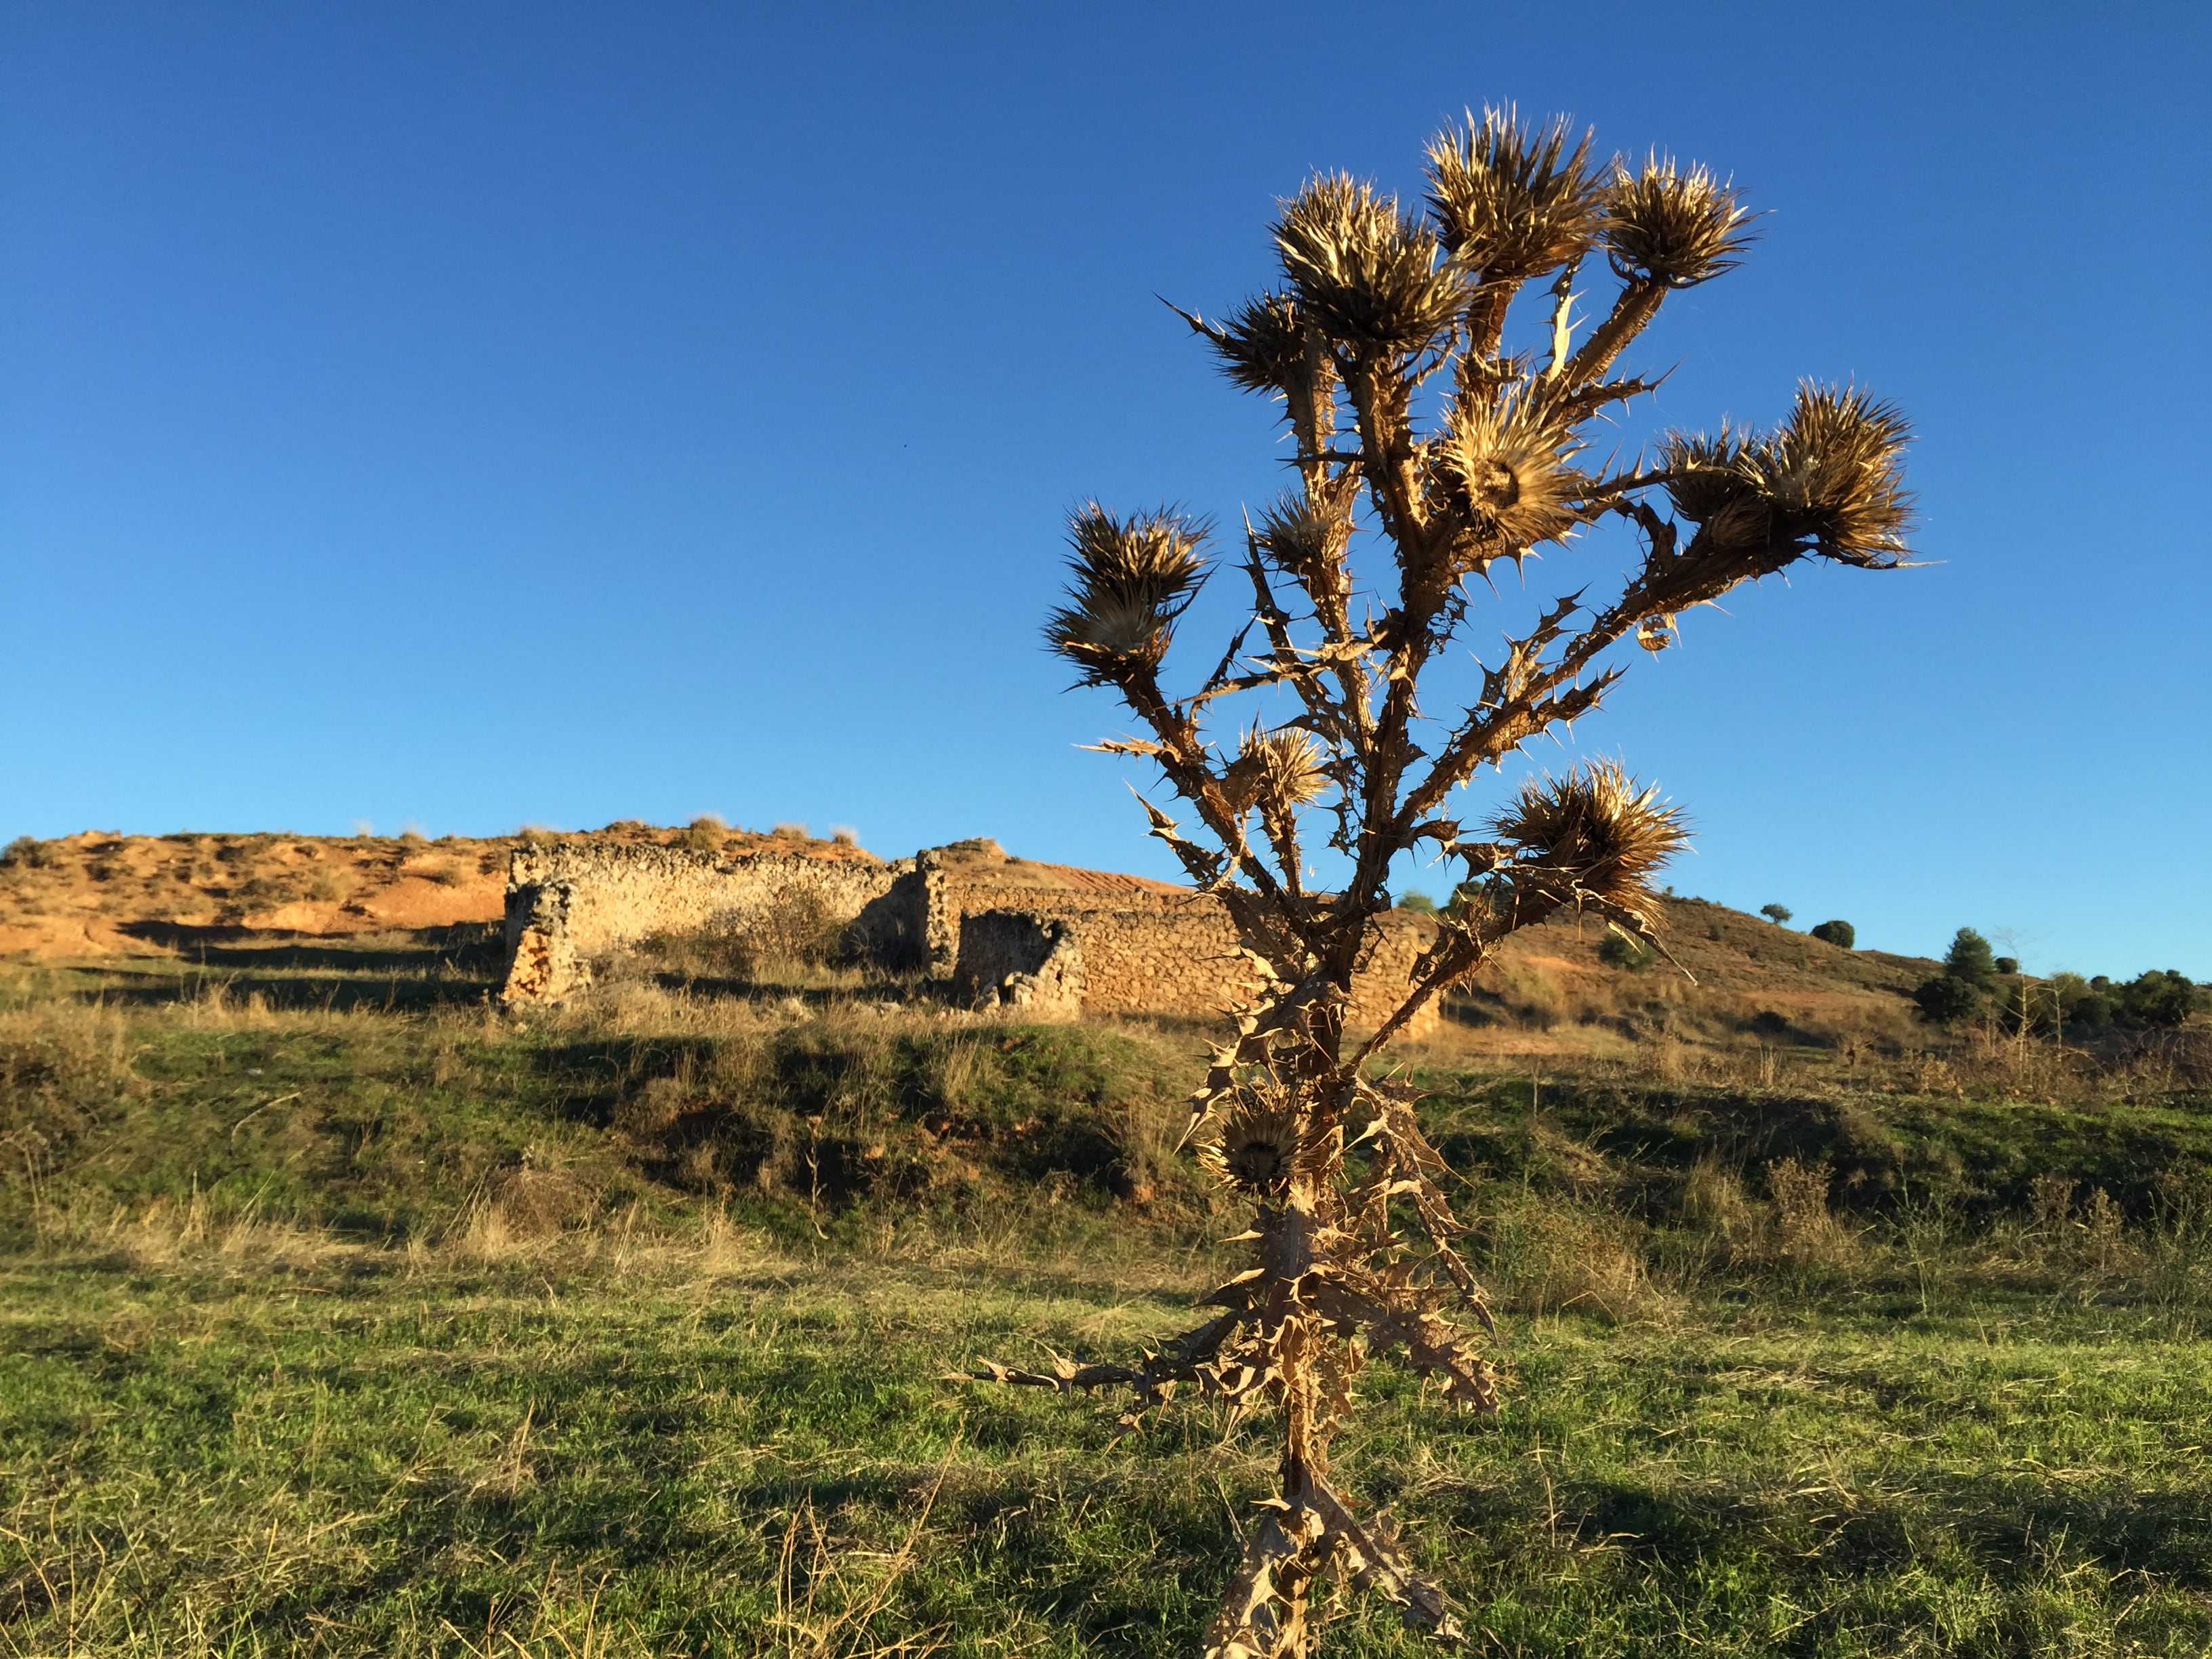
(1262, 344)
(1132, 578)
(1301, 540)
(1593, 835)
(1834, 474)
(1712, 484)
(1369, 276)
(1255, 1144)
(1276, 771)
(1679, 229)
(1502, 464)
(1830, 480)
(1513, 201)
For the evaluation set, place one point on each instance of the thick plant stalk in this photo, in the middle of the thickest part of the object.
(1355, 1248)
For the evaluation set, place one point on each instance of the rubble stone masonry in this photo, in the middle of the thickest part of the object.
(572, 903)
(1055, 944)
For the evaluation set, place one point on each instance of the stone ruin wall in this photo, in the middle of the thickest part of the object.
(1157, 953)
(1052, 953)
(1019, 959)
(570, 905)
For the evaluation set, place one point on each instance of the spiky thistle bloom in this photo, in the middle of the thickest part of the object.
(1254, 1143)
(1262, 344)
(1512, 199)
(1592, 836)
(1830, 480)
(1132, 578)
(1712, 484)
(1501, 466)
(1276, 771)
(1370, 277)
(1835, 474)
(1672, 228)
(1307, 543)
(1301, 541)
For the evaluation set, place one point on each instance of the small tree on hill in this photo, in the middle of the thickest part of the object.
(1417, 433)
(1965, 986)
(1971, 959)
(1841, 934)
(1779, 915)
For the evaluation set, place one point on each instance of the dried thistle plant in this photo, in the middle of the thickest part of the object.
(1355, 1246)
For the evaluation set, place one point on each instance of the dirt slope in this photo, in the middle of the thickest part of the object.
(99, 894)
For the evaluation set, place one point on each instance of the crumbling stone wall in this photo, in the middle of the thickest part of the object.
(541, 962)
(1175, 953)
(1003, 933)
(1020, 959)
(571, 903)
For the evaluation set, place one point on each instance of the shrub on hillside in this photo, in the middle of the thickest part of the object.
(1618, 950)
(1947, 999)
(2161, 999)
(1966, 985)
(1841, 934)
(1776, 914)
(2007, 965)
(2157, 1001)
(26, 853)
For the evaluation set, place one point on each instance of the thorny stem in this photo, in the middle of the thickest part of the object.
(1338, 1278)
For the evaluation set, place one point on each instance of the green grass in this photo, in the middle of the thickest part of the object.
(340, 1315)
(363, 1454)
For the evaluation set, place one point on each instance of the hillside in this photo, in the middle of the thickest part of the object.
(100, 896)
(345, 1314)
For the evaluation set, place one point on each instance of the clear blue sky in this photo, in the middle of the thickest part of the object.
(474, 415)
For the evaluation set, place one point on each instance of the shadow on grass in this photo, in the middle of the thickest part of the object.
(475, 947)
(342, 993)
(2002, 1522)
(427, 968)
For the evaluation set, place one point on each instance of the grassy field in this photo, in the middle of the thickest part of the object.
(344, 1315)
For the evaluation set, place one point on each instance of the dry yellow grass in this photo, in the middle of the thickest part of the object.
(103, 894)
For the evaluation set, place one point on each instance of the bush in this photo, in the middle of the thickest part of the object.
(26, 853)
(1966, 984)
(2084, 1001)
(1841, 934)
(1420, 904)
(1947, 999)
(1776, 914)
(2007, 965)
(2156, 1000)
(1618, 950)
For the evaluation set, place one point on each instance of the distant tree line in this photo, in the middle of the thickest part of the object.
(1976, 983)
